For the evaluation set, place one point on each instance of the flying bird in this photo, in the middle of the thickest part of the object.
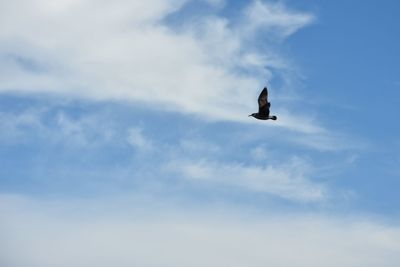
(263, 107)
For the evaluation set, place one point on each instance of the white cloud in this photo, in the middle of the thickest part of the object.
(299, 123)
(328, 141)
(123, 50)
(276, 18)
(85, 234)
(289, 181)
(52, 126)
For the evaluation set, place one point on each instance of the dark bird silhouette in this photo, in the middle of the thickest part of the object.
(263, 107)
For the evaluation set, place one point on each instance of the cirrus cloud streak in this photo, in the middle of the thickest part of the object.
(125, 50)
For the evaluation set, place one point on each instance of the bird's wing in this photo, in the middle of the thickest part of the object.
(263, 101)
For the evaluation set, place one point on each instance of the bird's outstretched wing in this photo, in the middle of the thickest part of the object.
(263, 105)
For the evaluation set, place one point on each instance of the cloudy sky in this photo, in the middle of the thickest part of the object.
(125, 138)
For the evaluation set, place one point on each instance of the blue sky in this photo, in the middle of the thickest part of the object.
(124, 136)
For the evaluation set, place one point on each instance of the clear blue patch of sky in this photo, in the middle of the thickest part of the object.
(351, 60)
(350, 57)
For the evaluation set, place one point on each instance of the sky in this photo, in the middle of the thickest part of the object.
(125, 138)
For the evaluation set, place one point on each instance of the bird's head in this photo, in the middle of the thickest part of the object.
(252, 115)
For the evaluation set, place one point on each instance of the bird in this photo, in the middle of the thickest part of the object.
(263, 107)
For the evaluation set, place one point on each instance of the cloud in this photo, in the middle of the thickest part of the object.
(108, 147)
(258, 153)
(16, 126)
(120, 150)
(126, 51)
(198, 146)
(91, 233)
(50, 125)
(138, 140)
(275, 18)
(288, 181)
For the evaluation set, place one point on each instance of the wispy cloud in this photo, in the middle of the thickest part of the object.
(16, 126)
(53, 126)
(138, 140)
(243, 159)
(83, 147)
(41, 233)
(289, 181)
(125, 50)
(276, 18)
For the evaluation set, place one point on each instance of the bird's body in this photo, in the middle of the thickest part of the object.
(263, 107)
